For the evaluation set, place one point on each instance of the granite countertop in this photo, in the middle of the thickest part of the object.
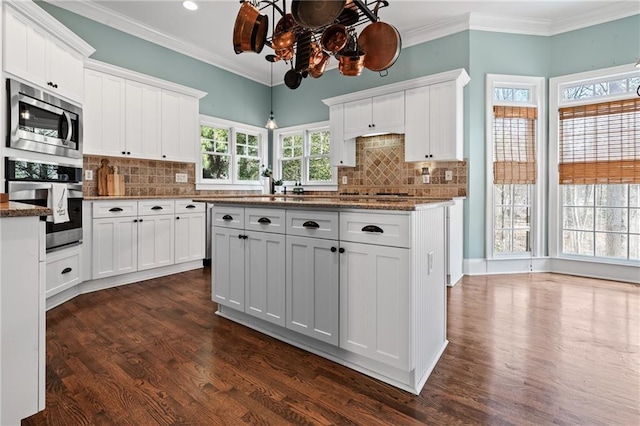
(144, 197)
(14, 209)
(333, 202)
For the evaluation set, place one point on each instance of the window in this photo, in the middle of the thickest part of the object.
(231, 154)
(513, 131)
(302, 155)
(599, 174)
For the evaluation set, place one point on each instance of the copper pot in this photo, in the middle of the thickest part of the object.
(334, 38)
(351, 62)
(317, 70)
(283, 40)
(250, 29)
(285, 54)
(382, 44)
(314, 14)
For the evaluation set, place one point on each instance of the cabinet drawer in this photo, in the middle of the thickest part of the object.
(188, 206)
(265, 220)
(149, 207)
(103, 209)
(227, 217)
(312, 224)
(374, 228)
(63, 270)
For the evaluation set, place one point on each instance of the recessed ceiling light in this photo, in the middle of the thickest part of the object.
(190, 5)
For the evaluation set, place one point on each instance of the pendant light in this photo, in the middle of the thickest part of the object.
(271, 123)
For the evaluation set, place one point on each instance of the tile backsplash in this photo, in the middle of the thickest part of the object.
(146, 177)
(380, 167)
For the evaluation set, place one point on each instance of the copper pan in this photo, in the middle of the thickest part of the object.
(314, 14)
(250, 29)
(334, 38)
(351, 62)
(382, 44)
(317, 70)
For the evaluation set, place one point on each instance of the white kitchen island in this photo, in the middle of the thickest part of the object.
(361, 282)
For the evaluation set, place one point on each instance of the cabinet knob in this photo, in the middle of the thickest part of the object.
(341, 250)
(333, 249)
(373, 125)
(177, 217)
(140, 220)
(341, 161)
(124, 153)
(128, 153)
(135, 220)
(55, 86)
(164, 156)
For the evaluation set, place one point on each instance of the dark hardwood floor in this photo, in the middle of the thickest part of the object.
(524, 349)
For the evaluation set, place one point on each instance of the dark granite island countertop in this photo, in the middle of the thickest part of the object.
(14, 209)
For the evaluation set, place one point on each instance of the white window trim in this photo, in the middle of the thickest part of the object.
(556, 85)
(231, 185)
(304, 129)
(538, 204)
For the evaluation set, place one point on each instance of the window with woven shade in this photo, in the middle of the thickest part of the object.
(514, 144)
(600, 143)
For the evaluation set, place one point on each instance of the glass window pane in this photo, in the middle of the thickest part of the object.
(521, 217)
(577, 195)
(521, 241)
(503, 94)
(222, 135)
(577, 242)
(319, 143)
(252, 140)
(253, 151)
(241, 150)
(215, 166)
(222, 147)
(502, 194)
(634, 221)
(319, 169)
(522, 95)
(248, 169)
(207, 145)
(634, 247)
(502, 218)
(241, 138)
(580, 218)
(611, 195)
(614, 220)
(611, 245)
(206, 132)
(502, 242)
(521, 195)
(291, 170)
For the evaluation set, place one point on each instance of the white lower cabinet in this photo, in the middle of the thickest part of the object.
(115, 246)
(190, 237)
(312, 287)
(264, 276)
(155, 241)
(63, 270)
(375, 301)
(227, 267)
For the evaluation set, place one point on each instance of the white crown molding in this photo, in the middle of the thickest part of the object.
(103, 15)
(505, 24)
(610, 12)
(36, 14)
(435, 31)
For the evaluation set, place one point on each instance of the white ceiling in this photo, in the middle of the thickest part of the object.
(206, 34)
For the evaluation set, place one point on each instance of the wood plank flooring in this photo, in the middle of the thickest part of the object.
(524, 349)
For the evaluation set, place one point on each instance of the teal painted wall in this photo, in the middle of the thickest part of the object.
(229, 96)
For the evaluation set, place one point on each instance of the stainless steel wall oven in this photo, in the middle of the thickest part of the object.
(41, 122)
(29, 181)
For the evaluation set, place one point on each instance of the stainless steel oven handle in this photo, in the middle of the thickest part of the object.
(32, 186)
(69, 129)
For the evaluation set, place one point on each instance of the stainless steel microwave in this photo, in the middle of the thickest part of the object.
(41, 122)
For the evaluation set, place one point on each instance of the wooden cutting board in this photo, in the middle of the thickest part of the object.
(103, 172)
(115, 183)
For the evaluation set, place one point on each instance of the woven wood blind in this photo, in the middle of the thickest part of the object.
(514, 144)
(600, 143)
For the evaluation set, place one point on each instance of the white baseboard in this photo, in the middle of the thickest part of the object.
(118, 280)
(506, 266)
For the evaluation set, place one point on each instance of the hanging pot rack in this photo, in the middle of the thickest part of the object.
(307, 40)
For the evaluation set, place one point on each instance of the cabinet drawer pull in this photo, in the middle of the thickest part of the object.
(242, 237)
(66, 270)
(156, 208)
(264, 220)
(115, 209)
(311, 224)
(227, 217)
(372, 228)
(191, 206)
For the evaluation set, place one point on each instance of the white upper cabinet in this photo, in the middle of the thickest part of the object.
(142, 123)
(140, 118)
(428, 110)
(40, 50)
(379, 114)
(179, 127)
(434, 123)
(103, 114)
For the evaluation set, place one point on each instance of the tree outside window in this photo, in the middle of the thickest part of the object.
(216, 155)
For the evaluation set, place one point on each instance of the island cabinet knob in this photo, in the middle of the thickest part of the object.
(372, 228)
(227, 217)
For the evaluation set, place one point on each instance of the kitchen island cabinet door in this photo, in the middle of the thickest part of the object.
(375, 302)
(265, 276)
(312, 287)
(227, 267)
(115, 246)
(155, 241)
